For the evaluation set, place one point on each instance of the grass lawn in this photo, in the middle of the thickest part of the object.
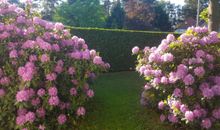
(116, 105)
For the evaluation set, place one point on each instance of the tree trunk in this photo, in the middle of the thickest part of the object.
(213, 23)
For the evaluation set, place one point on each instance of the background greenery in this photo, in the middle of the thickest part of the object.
(115, 45)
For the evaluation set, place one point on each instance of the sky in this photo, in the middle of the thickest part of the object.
(177, 2)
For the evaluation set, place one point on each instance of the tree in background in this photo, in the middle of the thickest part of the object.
(139, 14)
(116, 18)
(107, 6)
(190, 7)
(81, 13)
(213, 15)
(161, 21)
(48, 8)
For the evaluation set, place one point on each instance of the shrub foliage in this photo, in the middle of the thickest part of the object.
(183, 78)
(44, 72)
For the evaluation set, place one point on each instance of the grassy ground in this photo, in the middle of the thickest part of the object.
(116, 105)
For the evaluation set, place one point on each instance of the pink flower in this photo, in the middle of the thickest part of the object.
(71, 70)
(52, 91)
(81, 111)
(177, 92)
(97, 60)
(35, 101)
(30, 116)
(197, 113)
(45, 58)
(164, 80)
(170, 37)
(188, 80)
(73, 91)
(200, 54)
(172, 118)
(41, 112)
(162, 118)
(167, 57)
(86, 55)
(32, 58)
(90, 93)
(161, 105)
(13, 54)
(92, 53)
(135, 50)
(209, 58)
(41, 92)
(216, 113)
(189, 115)
(41, 127)
(59, 26)
(22, 95)
(27, 72)
(199, 71)
(206, 123)
(207, 93)
(51, 76)
(183, 108)
(54, 101)
(20, 120)
(182, 71)
(61, 119)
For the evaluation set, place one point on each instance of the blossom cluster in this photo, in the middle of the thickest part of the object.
(183, 77)
(45, 74)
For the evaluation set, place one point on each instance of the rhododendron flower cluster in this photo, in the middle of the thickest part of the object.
(183, 77)
(45, 74)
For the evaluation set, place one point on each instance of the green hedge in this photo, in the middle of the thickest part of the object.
(115, 45)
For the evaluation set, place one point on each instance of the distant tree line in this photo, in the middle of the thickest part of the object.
(120, 14)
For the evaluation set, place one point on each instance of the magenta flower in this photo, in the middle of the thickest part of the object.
(20, 120)
(45, 58)
(22, 95)
(90, 93)
(81, 111)
(13, 54)
(189, 79)
(41, 112)
(161, 105)
(135, 50)
(199, 71)
(73, 91)
(30, 116)
(62, 119)
(54, 101)
(51, 76)
(41, 92)
(97, 60)
(189, 115)
(52, 91)
(206, 123)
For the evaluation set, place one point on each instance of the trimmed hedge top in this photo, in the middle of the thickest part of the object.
(115, 45)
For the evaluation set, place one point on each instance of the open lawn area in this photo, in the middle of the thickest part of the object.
(116, 105)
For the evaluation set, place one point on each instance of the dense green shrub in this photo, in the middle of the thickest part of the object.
(115, 45)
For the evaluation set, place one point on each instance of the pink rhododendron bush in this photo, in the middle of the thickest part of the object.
(44, 72)
(183, 78)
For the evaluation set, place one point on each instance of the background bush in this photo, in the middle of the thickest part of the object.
(115, 45)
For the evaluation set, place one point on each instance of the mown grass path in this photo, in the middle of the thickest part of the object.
(116, 105)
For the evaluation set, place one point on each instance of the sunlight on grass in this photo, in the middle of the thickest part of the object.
(116, 105)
